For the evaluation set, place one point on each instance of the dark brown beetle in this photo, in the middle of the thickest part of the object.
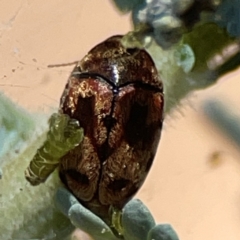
(116, 95)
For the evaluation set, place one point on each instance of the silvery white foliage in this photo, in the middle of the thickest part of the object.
(26, 212)
(126, 5)
(137, 221)
(227, 16)
(16, 127)
(152, 10)
(81, 217)
(184, 57)
(168, 20)
(161, 17)
(162, 232)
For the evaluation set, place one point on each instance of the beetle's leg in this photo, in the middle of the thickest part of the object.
(64, 134)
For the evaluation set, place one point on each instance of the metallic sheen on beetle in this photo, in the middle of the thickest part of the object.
(117, 96)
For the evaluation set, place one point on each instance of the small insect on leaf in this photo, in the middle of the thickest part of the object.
(64, 134)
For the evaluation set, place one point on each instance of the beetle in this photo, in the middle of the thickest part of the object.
(116, 95)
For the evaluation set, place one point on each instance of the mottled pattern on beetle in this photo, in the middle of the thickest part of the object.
(90, 89)
(116, 96)
(112, 59)
(88, 169)
(122, 174)
(125, 99)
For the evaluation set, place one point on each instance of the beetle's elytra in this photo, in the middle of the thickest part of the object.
(117, 96)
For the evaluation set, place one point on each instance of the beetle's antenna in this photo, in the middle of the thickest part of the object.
(62, 64)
